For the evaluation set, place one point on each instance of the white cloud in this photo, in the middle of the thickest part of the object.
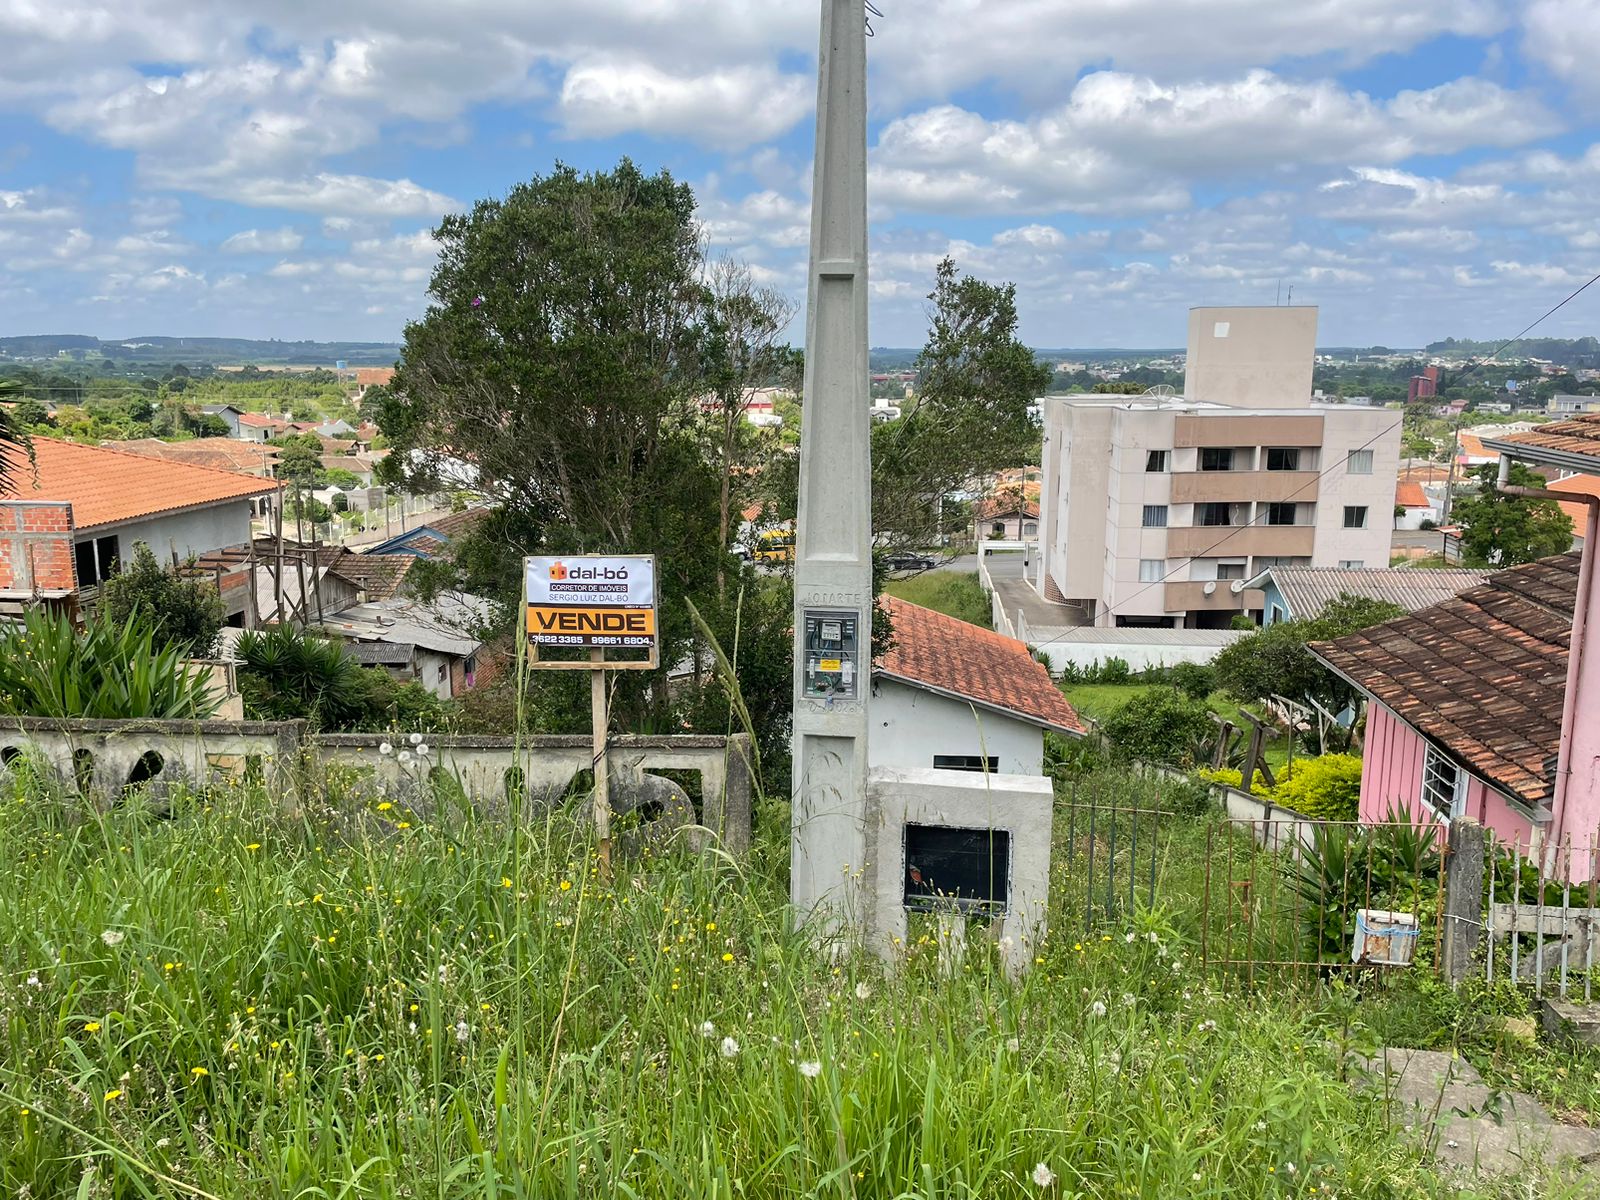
(730, 108)
(355, 195)
(263, 241)
(1564, 35)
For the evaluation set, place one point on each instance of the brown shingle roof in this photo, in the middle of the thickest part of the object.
(940, 653)
(380, 576)
(1579, 435)
(1482, 675)
(459, 523)
(106, 487)
(219, 453)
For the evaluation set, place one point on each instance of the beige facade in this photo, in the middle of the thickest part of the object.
(1156, 509)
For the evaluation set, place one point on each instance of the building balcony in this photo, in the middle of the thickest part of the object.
(1267, 487)
(1197, 541)
(1225, 429)
(1192, 597)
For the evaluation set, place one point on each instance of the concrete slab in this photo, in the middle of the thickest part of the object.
(1565, 1021)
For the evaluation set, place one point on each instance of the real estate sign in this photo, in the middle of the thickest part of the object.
(591, 601)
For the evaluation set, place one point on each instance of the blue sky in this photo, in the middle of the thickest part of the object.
(273, 169)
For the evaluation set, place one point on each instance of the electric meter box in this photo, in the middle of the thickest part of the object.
(832, 657)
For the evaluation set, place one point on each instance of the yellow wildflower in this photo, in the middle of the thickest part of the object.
(253, 846)
(199, 1072)
(566, 886)
(113, 1094)
(727, 957)
(385, 806)
(91, 1026)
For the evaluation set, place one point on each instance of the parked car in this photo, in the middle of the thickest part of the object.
(908, 560)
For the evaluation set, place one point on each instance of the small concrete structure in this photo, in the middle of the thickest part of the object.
(1018, 806)
(1577, 1024)
(101, 758)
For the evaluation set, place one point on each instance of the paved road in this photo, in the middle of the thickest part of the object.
(1001, 566)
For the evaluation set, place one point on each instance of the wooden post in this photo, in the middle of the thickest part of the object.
(601, 717)
(1462, 913)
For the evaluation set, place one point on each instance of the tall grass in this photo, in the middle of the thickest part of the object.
(230, 1001)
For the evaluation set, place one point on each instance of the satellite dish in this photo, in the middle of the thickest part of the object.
(1163, 390)
(1236, 586)
(1210, 587)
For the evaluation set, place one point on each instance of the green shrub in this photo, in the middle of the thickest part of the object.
(110, 671)
(1161, 725)
(181, 612)
(1327, 788)
(290, 675)
(1112, 670)
(1195, 680)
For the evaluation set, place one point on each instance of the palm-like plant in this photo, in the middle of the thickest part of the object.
(109, 671)
(290, 675)
(14, 443)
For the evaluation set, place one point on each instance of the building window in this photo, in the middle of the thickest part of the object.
(1213, 514)
(1359, 462)
(1230, 570)
(1152, 570)
(1280, 458)
(1280, 513)
(1443, 785)
(1352, 564)
(1155, 462)
(1278, 614)
(1215, 459)
(1155, 516)
(966, 762)
(1030, 528)
(1355, 516)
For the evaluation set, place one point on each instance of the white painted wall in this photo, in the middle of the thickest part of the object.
(1345, 429)
(197, 532)
(908, 726)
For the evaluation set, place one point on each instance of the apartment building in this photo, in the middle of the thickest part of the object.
(1156, 509)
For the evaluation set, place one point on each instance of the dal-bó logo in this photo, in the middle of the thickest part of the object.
(559, 572)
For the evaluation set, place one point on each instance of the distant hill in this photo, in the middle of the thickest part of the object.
(196, 351)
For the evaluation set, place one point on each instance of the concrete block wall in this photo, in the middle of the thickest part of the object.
(100, 758)
(36, 546)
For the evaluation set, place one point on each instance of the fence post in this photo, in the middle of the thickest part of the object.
(1463, 898)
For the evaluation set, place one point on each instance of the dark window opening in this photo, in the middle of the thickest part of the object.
(961, 868)
(966, 762)
(1155, 462)
(107, 560)
(1280, 514)
(1230, 570)
(1283, 458)
(1214, 459)
(1213, 514)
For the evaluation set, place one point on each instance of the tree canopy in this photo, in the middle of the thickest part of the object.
(1498, 530)
(1275, 661)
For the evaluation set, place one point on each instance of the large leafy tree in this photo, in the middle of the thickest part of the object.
(1498, 530)
(971, 418)
(560, 364)
(181, 611)
(1275, 661)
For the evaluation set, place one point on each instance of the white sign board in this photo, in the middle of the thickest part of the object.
(591, 601)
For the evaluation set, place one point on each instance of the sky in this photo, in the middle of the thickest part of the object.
(1416, 169)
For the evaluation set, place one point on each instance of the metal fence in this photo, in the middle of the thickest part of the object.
(1308, 897)
(1541, 912)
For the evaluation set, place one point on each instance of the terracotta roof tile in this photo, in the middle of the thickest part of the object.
(380, 576)
(1579, 435)
(251, 420)
(107, 486)
(932, 650)
(459, 523)
(1410, 495)
(1482, 675)
(220, 453)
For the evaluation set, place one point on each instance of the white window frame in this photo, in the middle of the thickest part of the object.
(1440, 773)
(1358, 462)
(1152, 570)
(1149, 511)
(1364, 509)
(1165, 461)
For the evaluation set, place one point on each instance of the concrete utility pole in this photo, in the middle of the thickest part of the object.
(833, 553)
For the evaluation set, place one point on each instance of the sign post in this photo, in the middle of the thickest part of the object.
(593, 602)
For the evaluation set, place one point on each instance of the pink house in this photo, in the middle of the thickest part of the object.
(1487, 705)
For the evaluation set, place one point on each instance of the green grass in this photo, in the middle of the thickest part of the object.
(955, 593)
(360, 1001)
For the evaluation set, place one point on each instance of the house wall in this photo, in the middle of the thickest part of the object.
(910, 726)
(1343, 430)
(1391, 777)
(197, 532)
(36, 546)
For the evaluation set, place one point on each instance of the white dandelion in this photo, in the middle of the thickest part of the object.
(463, 1031)
(1097, 1009)
(385, 749)
(810, 1069)
(729, 1048)
(112, 937)
(422, 750)
(1013, 1044)
(415, 739)
(1043, 1176)
(707, 1029)
(863, 992)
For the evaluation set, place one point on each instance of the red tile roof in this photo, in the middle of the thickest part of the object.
(1579, 435)
(370, 375)
(1410, 495)
(942, 654)
(106, 487)
(1483, 674)
(223, 453)
(262, 421)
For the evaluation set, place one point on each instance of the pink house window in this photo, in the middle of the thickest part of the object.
(1443, 785)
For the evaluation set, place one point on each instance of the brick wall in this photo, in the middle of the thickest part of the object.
(36, 546)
